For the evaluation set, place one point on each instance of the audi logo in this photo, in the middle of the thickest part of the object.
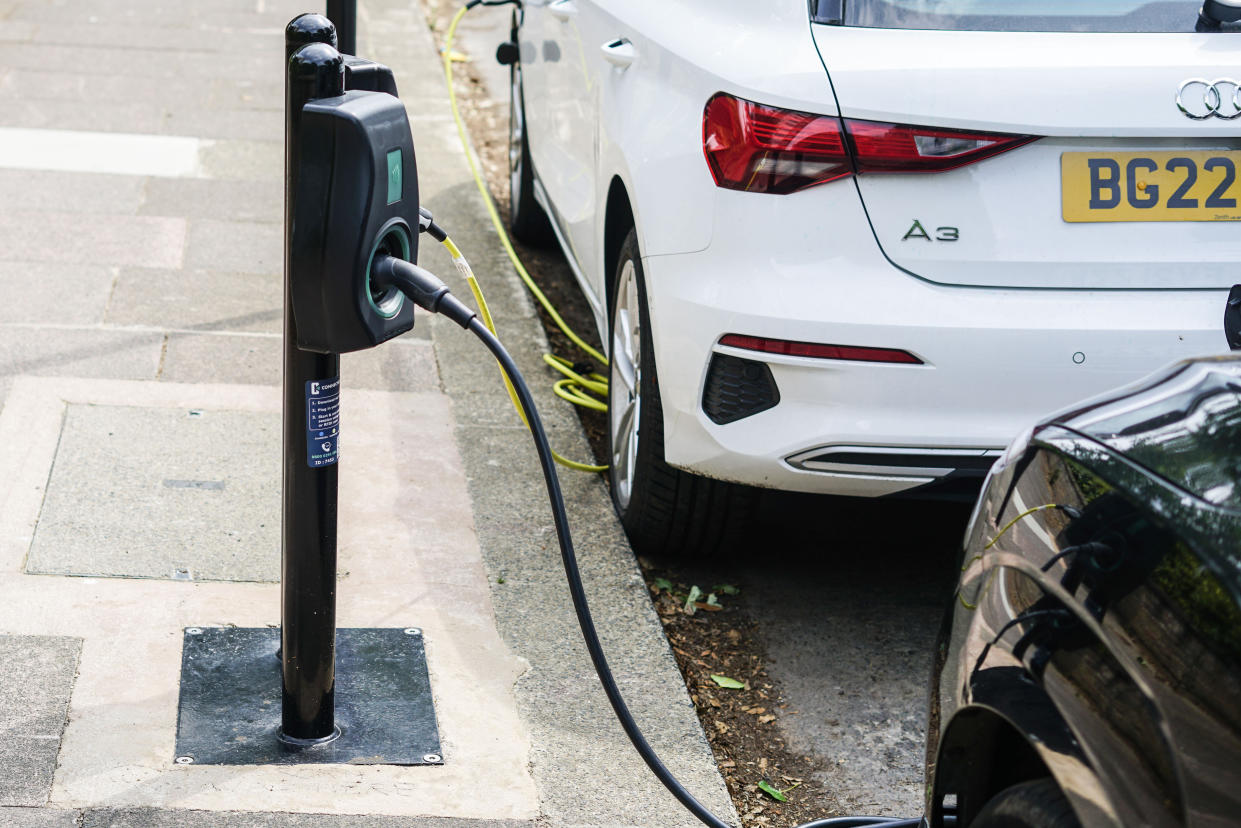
(1201, 99)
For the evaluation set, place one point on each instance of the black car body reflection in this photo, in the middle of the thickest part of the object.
(1094, 641)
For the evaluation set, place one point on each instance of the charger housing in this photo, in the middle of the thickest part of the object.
(357, 196)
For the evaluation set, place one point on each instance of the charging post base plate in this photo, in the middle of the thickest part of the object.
(229, 711)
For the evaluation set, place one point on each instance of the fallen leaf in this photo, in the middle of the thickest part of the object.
(690, 602)
(772, 791)
(766, 719)
(727, 683)
(720, 726)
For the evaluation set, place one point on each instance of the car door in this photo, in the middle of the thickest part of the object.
(564, 158)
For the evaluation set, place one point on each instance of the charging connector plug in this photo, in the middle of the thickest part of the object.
(422, 287)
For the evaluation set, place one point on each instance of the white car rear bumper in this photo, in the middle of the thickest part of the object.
(995, 359)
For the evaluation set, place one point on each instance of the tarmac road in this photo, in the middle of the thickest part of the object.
(847, 595)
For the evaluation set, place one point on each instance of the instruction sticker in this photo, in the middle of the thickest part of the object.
(322, 421)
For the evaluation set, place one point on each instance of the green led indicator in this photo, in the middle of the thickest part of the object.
(394, 176)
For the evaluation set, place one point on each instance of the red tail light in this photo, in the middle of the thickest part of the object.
(766, 149)
(879, 147)
(762, 149)
(813, 349)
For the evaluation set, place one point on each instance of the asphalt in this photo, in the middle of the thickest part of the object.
(140, 206)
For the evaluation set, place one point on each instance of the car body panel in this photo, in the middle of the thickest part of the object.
(1097, 93)
(808, 267)
(1110, 597)
(842, 291)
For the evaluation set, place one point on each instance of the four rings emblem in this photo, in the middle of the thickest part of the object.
(1201, 99)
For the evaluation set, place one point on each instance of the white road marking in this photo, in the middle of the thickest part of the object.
(169, 156)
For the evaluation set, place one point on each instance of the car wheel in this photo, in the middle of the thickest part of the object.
(1037, 804)
(526, 218)
(665, 511)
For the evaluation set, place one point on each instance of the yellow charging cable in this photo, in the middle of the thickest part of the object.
(576, 387)
(562, 388)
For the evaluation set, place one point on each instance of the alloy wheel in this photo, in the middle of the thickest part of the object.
(625, 400)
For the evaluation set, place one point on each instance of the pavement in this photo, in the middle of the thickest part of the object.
(141, 148)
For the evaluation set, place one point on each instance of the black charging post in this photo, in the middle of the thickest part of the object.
(344, 15)
(311, 393)
(360, 696)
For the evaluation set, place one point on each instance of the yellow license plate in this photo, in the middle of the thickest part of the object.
(1150, 186)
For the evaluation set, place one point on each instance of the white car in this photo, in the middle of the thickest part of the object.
(854, 247)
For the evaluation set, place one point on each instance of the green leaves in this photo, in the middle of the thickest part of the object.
(664, 584)
(694, 594)
(774, 792)
(728, 683)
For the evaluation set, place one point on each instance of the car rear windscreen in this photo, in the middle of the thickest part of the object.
(1013, 15)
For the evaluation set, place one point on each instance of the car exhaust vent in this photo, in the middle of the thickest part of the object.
(737, 388)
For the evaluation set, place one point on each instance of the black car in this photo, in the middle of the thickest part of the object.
(1089, 670)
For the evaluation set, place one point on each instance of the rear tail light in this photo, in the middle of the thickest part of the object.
(879, 147)
(786, 347)
(762, 149)
(766, 149)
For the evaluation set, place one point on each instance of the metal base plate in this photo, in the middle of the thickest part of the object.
(229, 712)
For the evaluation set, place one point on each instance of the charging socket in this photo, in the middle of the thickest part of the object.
(357, 196)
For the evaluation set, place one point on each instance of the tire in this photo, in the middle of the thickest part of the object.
(527, 220)
(664, 511)
(1037, 804)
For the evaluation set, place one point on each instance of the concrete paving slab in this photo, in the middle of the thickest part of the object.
(235, 246)
(239, 123)
(208, 300)
(118, 116)
(59, 294)
(36, 677)
(67, 351)
(244, 160)
(260, 92)
(39, 818)
(206, 481)
(79, 82)
(254, 359)
(137, 34)
(161, 818)
(250, 201)
(72, 238)
(110, 59)
(90, 152)
(402, 490)
(97, 193)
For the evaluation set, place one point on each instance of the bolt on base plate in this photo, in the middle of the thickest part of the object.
(229, 712)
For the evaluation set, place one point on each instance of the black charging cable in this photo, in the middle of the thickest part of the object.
(427, 291)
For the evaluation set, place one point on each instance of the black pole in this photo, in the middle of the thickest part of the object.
(344, 13)
(308, 522)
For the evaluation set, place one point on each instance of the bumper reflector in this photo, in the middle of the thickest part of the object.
(785, 347)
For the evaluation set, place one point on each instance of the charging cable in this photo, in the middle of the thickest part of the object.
(427, 291)
(569, 388)
(578, 385)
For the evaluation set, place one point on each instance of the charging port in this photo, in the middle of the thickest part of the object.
(394, 241)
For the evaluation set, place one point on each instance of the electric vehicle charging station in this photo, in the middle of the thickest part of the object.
(351, 194)
(352, 220)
